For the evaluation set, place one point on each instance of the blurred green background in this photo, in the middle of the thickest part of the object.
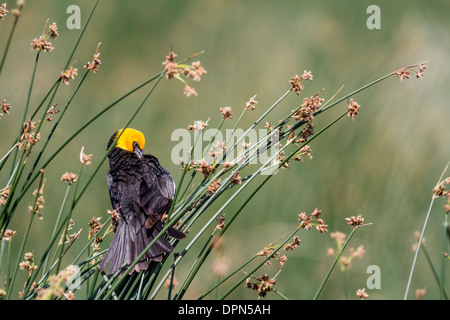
(382, 166)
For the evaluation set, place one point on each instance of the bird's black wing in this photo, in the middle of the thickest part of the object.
(156, 193)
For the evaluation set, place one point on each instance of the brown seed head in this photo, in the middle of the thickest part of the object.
(3, 11)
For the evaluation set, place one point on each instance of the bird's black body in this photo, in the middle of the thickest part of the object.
(142, 192)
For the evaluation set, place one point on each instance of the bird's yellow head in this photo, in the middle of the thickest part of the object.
(128, 138)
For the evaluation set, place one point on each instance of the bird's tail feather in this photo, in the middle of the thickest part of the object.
(128, 244)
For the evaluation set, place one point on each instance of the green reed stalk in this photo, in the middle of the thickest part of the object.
(10, 281)
(202, 187)
(434, 272)
(5, 157)
(92, 239)
(8, 42)
(24, 117)
(200, 261)
(76, 133)
(260, 264)
(55, 126)
(63, 204)
(6, 218)
(416, 254)
(336, 259)
(444, 261)
(26, 153)
(69, 216)
(228, 277)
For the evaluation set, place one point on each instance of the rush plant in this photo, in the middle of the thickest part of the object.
(205, 190)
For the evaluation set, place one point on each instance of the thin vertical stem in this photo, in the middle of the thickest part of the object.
(416, 255)
(336, 259)
(442, 294)
(8, 42)
(24, 117)
(22, 247)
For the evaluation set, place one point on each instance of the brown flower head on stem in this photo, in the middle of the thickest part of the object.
(353, 109)
(94, 65)
(72, 237)
(3, 11)
(205, 168)
(307, 108)
(306, 150)
(4, 108)
(27, 136)
(227, 164)
(28, 264)
(94, 226)
(53, 31)
(296, 81)
(8, 234)
(51, 111)
(226, 112)
(263, 285)
(188, 166)
(39, 200)
(198, 68)
(406, 71)
(189, 91)
(296, 84)
(282, 260)
(292, 246)
(221, 145)
(4, 193)
(439, 190)
(195, 71)
(66, 75)
(212, 188)
(213, 153)
(355, 222)
(268, 126)
(69, 177)
(307, 221)
(170, 66)
(307, 75)
(235, 179)
(173, 69)
(115, 217)
(85, 158)
(251, 104)
(361, 293)
(198, 126)
(17, 11)
(220, 222)
(42, 44)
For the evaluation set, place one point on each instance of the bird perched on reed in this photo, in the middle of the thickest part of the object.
(141, 191)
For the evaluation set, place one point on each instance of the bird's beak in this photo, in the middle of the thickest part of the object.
(138, 151)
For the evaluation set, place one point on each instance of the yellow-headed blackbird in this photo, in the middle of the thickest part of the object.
(142, 192)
